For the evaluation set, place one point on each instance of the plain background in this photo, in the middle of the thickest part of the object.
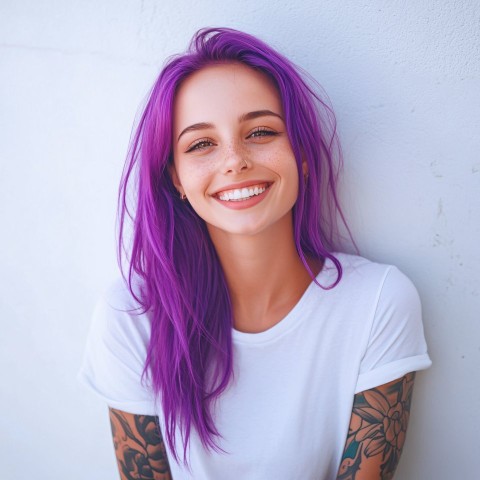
(403, 78)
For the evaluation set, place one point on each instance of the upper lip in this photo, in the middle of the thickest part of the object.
(245, 184)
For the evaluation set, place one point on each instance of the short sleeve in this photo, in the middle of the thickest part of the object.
(396, 345)
(115, 353)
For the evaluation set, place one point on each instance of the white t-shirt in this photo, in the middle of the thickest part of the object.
(286, 414)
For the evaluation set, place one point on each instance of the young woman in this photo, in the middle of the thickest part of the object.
(241, 345)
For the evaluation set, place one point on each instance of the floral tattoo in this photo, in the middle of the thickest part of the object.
(377, 430)
(139, 447)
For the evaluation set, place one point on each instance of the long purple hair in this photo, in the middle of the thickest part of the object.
(182, 285)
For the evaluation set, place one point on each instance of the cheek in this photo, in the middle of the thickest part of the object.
(193, 174)
(283, 162)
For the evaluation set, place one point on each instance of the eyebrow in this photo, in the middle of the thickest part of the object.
(258, 113)
(243, 118)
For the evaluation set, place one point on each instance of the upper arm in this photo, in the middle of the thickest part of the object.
(377, 430)
(139, 446)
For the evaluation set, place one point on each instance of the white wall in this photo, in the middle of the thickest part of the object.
(404, 80)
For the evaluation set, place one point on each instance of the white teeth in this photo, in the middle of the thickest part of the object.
(241, 194)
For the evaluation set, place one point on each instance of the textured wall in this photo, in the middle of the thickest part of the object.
(403, 78)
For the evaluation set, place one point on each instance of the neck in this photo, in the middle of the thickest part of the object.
(264, 273)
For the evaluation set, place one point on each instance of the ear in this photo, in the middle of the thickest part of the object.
(175, 180)
(305, 168)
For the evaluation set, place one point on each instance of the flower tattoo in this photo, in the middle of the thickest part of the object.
(377, 430)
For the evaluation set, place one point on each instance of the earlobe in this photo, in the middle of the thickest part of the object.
(305, 173)
(175, 180)
(305, 169)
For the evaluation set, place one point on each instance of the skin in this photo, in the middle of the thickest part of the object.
(227, 149)
(220, 139)
(375, 439)
(139, 446)
(377, 431)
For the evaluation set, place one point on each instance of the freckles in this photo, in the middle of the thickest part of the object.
(197, 172)
(248, 155)
(280, 158)
(205, 168)
(236, 149)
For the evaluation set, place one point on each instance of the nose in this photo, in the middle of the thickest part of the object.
(235, 160)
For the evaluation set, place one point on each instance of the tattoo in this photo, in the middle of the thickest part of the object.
(139, 446)
(377, 430)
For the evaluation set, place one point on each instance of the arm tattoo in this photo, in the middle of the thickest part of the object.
(377, 430)
(139, 447)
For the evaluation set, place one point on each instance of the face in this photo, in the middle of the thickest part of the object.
(232, 156)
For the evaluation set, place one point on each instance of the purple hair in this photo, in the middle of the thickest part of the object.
(182, 285)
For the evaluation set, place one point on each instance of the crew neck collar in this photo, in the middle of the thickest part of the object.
(294, 316)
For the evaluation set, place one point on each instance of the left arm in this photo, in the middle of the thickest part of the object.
(377, 430)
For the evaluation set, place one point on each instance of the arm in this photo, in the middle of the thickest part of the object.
(377, 430)
(139, 446)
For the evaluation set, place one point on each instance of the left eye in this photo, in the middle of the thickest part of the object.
(262, 132)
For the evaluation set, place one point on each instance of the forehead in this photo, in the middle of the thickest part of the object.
(222, 89)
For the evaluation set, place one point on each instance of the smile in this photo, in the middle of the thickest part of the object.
(242, 194)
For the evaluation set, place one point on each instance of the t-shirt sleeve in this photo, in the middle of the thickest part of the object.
(396, 345)
(115, 353)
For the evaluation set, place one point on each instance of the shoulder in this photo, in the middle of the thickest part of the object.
(119, 315)
(384, 310)
(117, 295)
(376, 291)
(384, 276)
(364, 276)
(116, 351)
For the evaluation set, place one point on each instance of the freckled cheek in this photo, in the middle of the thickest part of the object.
(199, 170)
(195, 177)
(281, 161)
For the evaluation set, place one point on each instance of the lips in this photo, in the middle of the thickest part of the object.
(242, 193)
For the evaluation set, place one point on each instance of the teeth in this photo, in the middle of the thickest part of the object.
(240, 194)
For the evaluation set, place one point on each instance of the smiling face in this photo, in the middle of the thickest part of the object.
(232, 156)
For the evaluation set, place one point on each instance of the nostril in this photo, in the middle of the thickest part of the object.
(239, 165)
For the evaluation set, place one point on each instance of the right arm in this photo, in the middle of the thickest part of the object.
(139, 446)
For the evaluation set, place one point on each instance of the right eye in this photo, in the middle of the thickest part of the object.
(200, 144)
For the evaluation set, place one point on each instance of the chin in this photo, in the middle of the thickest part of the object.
(245, 228)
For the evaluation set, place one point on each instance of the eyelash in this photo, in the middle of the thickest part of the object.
(263, 130)
(196, 145)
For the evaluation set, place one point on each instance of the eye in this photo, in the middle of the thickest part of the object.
(200, 144)
(262, 132)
